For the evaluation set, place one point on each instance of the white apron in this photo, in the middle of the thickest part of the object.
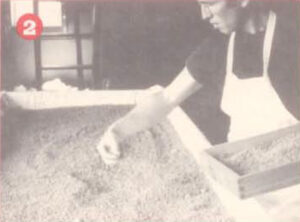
(253, 104)
(255, 108)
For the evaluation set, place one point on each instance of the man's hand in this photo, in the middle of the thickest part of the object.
(149, 110)
(108, 147)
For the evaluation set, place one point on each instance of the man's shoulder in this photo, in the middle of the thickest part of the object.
(208, 59)
(212, 43)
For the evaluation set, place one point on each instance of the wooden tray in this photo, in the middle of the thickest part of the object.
(248, 185)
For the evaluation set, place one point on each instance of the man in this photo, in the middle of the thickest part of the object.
(253, 72)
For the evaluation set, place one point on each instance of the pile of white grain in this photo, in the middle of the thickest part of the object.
(51, 172)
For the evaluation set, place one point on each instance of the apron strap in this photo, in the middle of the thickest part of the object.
(268, 42)
(229, 61)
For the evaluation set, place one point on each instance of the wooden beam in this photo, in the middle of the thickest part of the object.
(76, 67)
(66, 36)
(37, 53)
(78, 49)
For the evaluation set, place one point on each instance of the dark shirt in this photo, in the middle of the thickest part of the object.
(207, 64)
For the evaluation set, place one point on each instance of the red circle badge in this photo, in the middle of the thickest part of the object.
(29, 26)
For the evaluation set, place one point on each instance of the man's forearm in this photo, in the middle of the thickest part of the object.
(156, 106)
(148, 112)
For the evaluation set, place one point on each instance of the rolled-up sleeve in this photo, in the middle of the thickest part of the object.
(208, 59)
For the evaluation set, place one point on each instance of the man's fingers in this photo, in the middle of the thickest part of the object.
(107, 157)
(106, 153)
(109, 148)
(109, 145)
(112, 150)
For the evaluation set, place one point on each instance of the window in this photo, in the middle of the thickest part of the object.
(49, 11)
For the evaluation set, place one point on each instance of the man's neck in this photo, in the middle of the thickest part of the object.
(256, 23)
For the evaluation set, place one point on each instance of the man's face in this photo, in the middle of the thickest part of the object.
(224, 15)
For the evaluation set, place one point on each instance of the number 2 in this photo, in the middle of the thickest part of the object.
(29, 27)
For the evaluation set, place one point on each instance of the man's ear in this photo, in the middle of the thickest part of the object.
(244, 3)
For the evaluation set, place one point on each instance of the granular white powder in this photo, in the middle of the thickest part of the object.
(51, 172)
(265, 155)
